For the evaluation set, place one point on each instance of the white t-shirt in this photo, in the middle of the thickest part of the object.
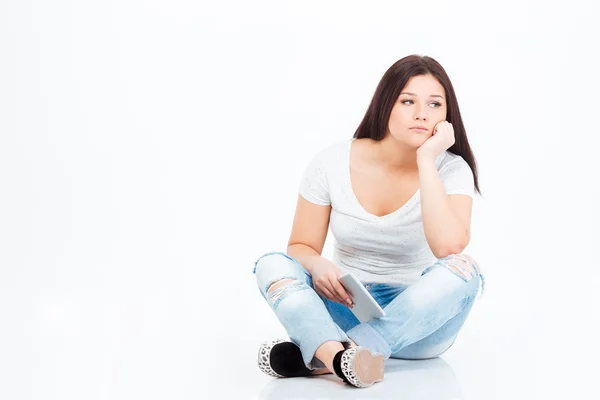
(387, 249)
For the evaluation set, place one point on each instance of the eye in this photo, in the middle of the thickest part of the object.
(435, 103)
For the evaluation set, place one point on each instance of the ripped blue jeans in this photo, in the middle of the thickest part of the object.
(422, 319)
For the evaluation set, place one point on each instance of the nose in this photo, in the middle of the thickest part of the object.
(420, 113)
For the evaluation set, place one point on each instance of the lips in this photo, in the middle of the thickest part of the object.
(420, 129)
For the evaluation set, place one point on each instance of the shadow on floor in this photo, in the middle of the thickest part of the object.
(404, 379)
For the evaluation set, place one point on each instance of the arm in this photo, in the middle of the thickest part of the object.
(446, 218)
(309, 231)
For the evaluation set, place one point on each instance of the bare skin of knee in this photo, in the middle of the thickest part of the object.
(276, 285)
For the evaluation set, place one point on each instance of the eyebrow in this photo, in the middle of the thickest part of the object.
(433, 95)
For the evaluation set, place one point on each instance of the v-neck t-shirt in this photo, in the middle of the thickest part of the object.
(377, 249)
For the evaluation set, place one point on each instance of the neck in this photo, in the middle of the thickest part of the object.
(395, 156)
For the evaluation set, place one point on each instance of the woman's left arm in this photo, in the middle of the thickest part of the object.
(446, 218)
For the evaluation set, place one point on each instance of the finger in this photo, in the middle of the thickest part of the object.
(341, 292)
(326, 293)
(328, 284)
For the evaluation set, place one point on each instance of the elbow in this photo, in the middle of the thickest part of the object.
(441, 253)
(448, 249)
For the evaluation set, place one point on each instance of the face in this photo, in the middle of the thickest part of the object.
(422, 102)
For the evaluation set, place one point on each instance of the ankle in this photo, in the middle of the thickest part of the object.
(321, 371)
(327, 351)
(337, 367)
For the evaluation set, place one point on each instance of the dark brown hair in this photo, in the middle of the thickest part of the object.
(375, 122)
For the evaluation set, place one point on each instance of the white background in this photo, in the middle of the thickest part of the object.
(150, 152)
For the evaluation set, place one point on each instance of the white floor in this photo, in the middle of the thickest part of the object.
(482, 364)
(160, 340)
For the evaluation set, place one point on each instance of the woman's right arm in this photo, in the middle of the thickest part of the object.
(309, 231)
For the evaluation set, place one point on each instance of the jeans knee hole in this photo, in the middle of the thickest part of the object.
(459, 271)
(287, 286)
(278, 284)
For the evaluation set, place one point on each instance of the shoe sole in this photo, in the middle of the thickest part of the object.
(361, 367)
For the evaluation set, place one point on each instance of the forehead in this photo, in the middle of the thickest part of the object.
(424, 85)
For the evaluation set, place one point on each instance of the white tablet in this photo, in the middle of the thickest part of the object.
(365, 307)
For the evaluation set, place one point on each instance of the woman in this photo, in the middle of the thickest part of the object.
(398, 196)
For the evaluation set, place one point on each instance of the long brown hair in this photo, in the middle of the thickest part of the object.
(375, 122)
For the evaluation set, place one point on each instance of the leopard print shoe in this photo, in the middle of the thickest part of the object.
(281, 359)
(359, 367)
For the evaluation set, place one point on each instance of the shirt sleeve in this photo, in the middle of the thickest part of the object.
(457, 177)
(313, 185)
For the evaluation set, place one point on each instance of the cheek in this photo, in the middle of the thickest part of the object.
(443, 114)
(399, 117)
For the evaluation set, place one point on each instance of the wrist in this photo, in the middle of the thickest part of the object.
(425, 159)
(311, 262)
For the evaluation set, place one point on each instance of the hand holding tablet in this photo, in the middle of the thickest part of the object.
(365, 307)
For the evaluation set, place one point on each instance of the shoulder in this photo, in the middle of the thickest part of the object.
(448, 161)
(456, 174)
(320, 172)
